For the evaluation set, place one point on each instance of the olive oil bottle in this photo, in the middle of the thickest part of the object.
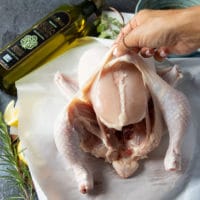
(29, 50)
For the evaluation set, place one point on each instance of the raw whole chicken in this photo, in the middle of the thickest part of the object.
(117, 111)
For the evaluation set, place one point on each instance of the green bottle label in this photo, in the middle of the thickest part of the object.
(29, 42)
(33, 39)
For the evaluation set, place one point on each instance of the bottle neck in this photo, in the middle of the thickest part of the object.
(88, 7)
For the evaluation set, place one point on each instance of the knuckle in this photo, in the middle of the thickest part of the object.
(144, 13)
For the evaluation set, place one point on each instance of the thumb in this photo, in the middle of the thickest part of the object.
(128, 43)
(132, 39)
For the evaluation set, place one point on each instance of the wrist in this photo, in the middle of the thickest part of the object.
(188, 20)
(186, 27)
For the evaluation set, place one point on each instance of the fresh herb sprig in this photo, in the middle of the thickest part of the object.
(108, 27)
(15, 172)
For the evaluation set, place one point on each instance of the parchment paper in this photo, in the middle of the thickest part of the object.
(40, 102)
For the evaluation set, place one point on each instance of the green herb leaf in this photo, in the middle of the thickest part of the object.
(14, 171)
(108, 27)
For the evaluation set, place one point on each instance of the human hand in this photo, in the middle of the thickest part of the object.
(161, 32)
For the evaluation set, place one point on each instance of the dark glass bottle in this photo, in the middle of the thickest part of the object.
(30, 49)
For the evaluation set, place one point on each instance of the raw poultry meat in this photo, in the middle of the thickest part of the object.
(118, 112)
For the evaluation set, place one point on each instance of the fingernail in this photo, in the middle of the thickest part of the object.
(163, 54)
(115, 51)
(148, 53)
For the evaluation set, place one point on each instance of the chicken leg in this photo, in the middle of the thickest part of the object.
(175, 109)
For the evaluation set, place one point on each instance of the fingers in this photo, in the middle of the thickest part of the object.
(124, 51)
(147, 52)
(161, 53)
(126, 30)
(126, 43)
(130, 40)
(122, 48)
(120, 43)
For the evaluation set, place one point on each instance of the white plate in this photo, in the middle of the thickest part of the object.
(40, 102)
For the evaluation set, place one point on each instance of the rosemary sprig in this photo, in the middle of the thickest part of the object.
(15, 172)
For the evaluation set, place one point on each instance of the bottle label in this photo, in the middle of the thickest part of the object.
(33, 39)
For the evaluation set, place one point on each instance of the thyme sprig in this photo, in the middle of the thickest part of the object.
(109, 27)
(15, 172)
